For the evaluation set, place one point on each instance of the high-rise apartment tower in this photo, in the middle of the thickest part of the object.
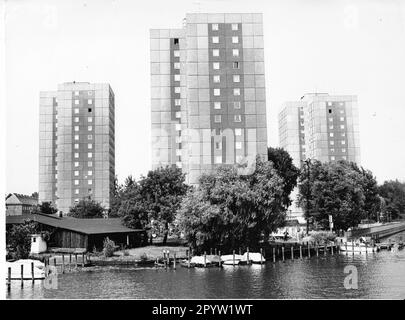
(76, 144)
(208, 97)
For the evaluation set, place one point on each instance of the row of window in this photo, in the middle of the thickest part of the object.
(333, 142)
(217, 78)
(89, 173)
(238, 145)
(333, 158)
(90, 93)
(89, 137)
(215, 39)
(341, 119)
(236, 105)
(89, 101)
(89, 146)
(215, 26)
(332, 150)
(77, 110)
(89, 182)
(89, 164)
(216, 65)
(236, 118)
(342, 126)
(89, 119)
(217, 92)
(89, 155)
(89, 128)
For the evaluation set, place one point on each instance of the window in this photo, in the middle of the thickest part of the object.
(331, 143)
(179, 164)
(331, 134)
(176, 53)
(90, 164)
(235, 39)
(90, 146)
(178, 114)
(238, 145)
(76, 102)
(76, 200)
(90, 137)
(90, 101)
(89, 182)
(89, 110)
(343, 142)
(236, 91)
(89, 119)
(217, 118)
(76, 173)
(215, 52)
(176, 89)
(76, 146)
(218, 145)
(76, 111)
(342, 126)
(215, 39)
(89, 155)
(90, 128)
(176, 41)
(218, 159)
(236, 104)
(342, 119)
(234, 26)
(217, 105)
(331, 127)
(178, 139)
(332, 150)
(76, 128)
(176, 77)
(177, 102)
(89, 173)
(344, 157)
(215, 65)
(343, 134)
(178, 126)
(341, 111)
(332, 158)
(235, 52)
(76, 155)
(177, 65)
(217, 92)
(237, 118)
(344, 150)
(214, 27)
(235, 65)
(90, 93)
(216, 79)
(238, 132)
(236, 78)
(329, 103)
(76, 93)
(76, 182)
(76, 119)
(330, 110)
(330, 119)
(76, 164)
(76, 191)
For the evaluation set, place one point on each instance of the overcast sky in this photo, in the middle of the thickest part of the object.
(340, 47)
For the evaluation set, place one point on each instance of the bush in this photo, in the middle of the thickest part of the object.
(126, 253)
(322, 237)
(144, 257)
(108, 247)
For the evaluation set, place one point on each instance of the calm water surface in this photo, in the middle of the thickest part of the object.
(380, 276)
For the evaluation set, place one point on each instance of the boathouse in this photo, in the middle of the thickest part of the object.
(68, 232)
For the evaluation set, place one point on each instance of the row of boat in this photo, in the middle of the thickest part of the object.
(229, 259)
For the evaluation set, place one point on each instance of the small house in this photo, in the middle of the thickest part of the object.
(38, 244)
(19, 204)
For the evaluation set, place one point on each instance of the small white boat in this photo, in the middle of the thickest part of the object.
(39, 269)
(254, 257)
(227, 257)
(357, 247)
(231, 262)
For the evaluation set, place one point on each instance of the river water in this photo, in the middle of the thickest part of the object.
(379, 276)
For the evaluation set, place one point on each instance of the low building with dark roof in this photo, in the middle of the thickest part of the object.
(68, 232)
(19, 204)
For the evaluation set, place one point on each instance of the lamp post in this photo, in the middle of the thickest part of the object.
(308, 163)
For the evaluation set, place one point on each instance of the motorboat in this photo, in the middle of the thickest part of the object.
(231, 262)
(254, 257)
(39, 269)
(358, 247)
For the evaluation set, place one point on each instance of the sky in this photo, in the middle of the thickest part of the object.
(339, 47)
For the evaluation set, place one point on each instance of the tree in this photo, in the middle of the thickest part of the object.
(85, 209)
(162, 191)
(232, 210)
(340, 189)
(285, 168)
(393, 193)
(19, 240)
(46, 208)
(34, 195)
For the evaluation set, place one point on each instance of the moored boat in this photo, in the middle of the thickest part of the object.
(39, 269)
(358, 247)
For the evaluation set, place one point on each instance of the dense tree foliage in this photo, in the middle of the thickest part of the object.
(231, 210)
(285, 168)
(152, 202)
(340, 189)
(45, 207)
(18, 238)
(86, 209)
(393, 193)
